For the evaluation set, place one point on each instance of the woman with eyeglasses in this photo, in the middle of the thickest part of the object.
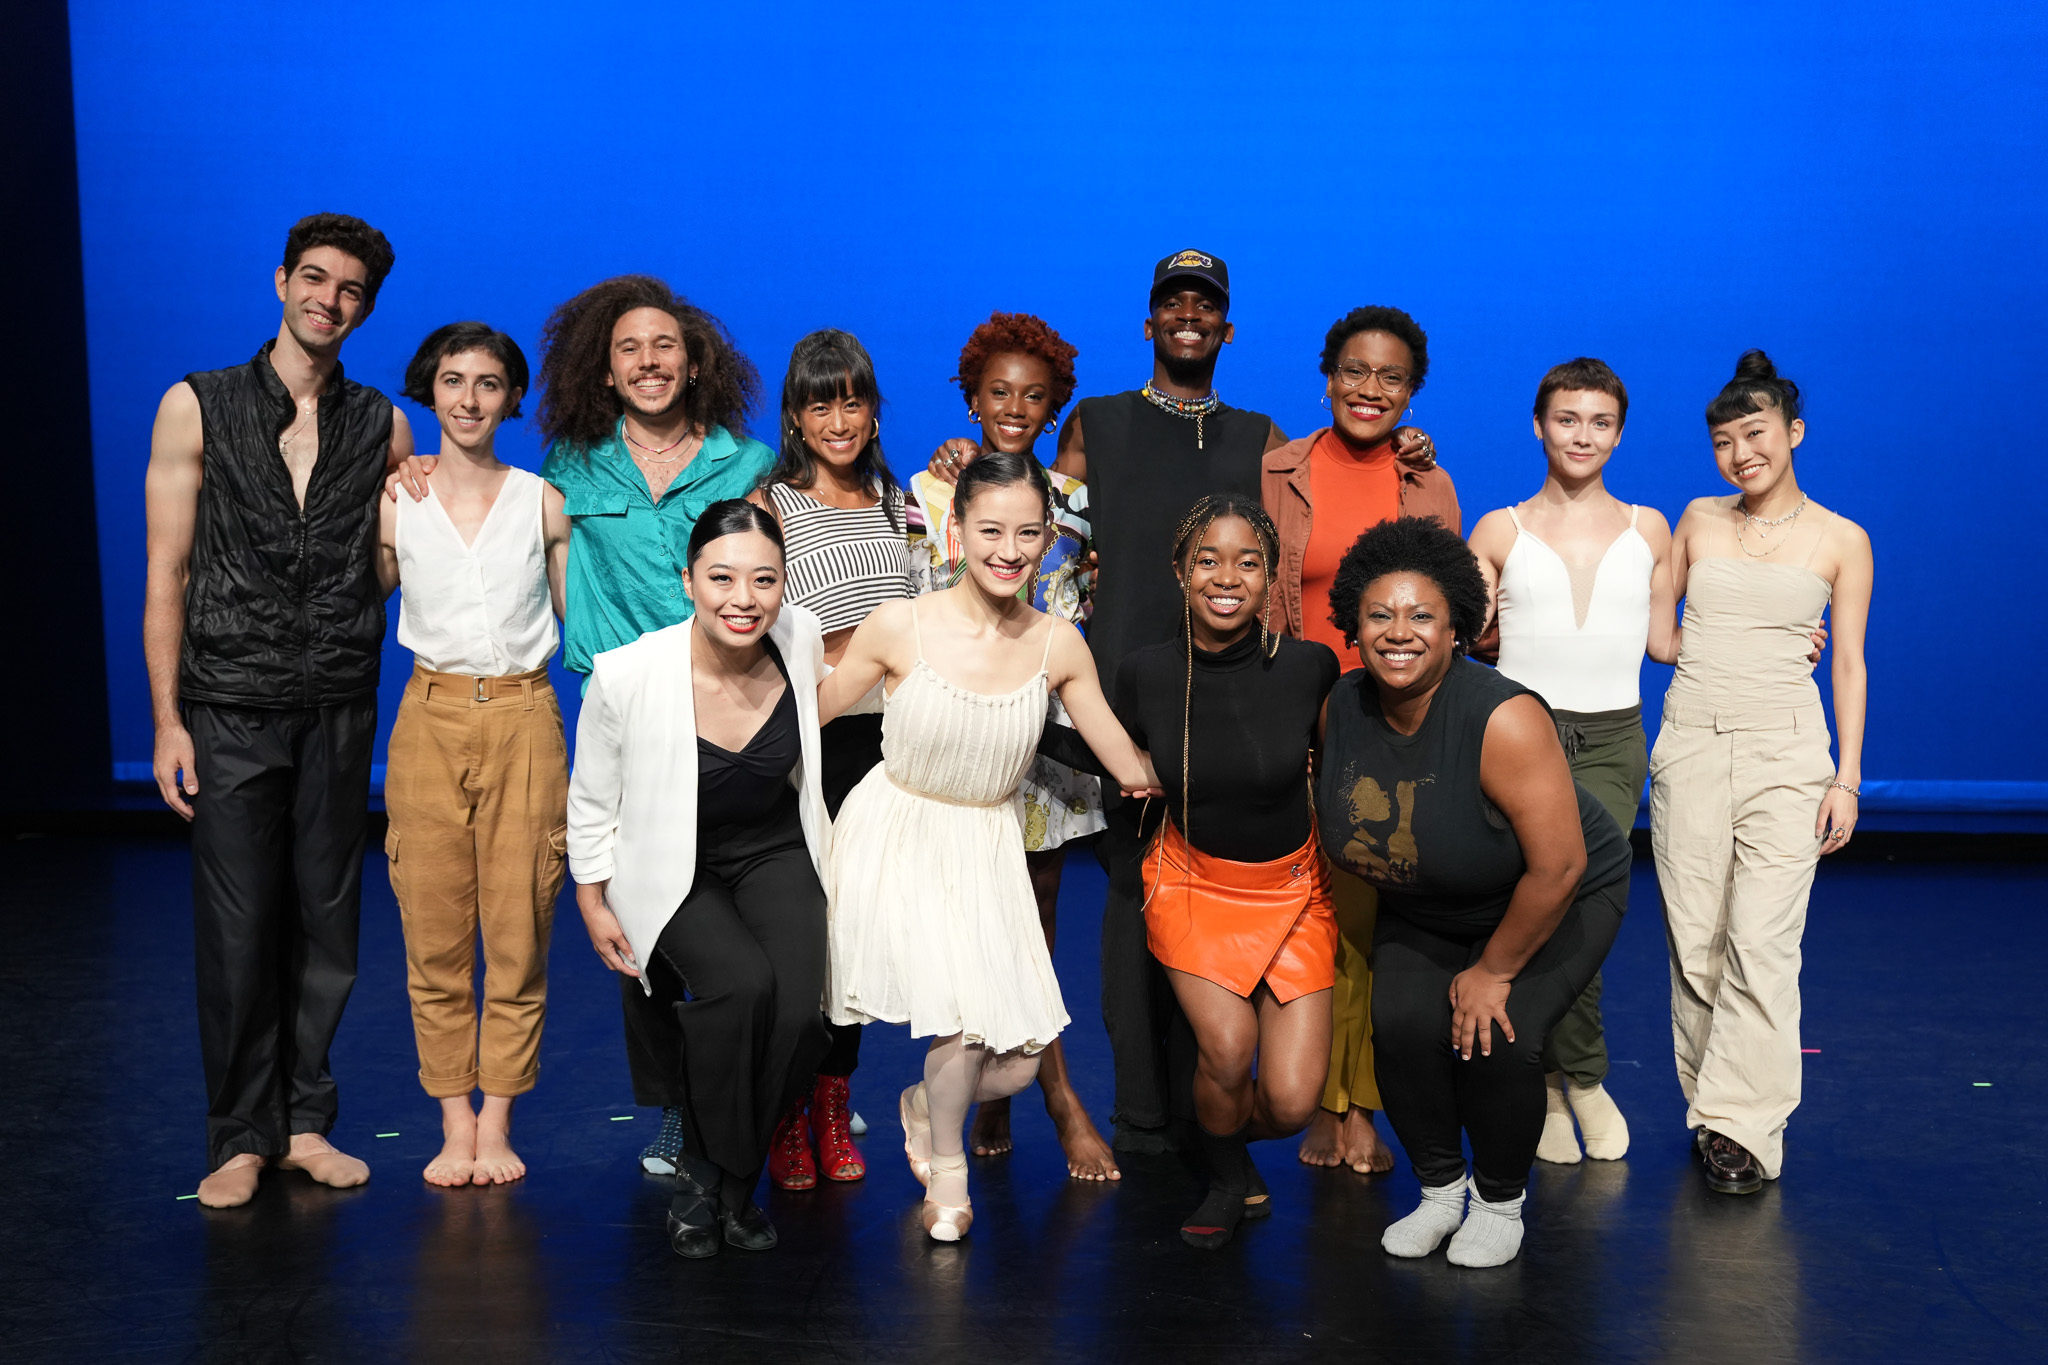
(1322, 491)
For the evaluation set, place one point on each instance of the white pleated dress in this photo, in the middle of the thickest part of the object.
(933, 920)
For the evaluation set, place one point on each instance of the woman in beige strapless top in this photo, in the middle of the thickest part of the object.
(1744, 795)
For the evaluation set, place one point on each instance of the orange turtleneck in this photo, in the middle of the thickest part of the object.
(1351, 491)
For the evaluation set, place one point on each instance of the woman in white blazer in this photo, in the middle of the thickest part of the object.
(697, 831)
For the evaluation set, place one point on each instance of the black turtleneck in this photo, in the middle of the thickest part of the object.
(1253, 724)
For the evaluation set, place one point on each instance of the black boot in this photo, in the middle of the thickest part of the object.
(693, 1214)
(1230, 1170)
(740, 1218)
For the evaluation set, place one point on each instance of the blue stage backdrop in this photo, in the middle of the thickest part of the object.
(1858, 188)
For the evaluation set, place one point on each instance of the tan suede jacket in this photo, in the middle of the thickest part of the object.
(1284, 489)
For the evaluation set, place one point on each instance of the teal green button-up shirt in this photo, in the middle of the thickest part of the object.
(627, 551)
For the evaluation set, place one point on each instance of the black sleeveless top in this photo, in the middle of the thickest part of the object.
(1405, 812)
(1144, 473)
(745, 786)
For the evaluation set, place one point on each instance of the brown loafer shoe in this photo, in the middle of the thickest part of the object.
(1727, 1164)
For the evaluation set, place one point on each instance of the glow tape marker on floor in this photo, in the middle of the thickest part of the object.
(183, 1197)
(1809, 1049)
(1981, 1085)
(622, 1118)
(387, 1135)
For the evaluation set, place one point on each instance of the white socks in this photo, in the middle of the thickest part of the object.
(1559, 1143)
(1492, 1233)
(1600, 1123)
(1438, 1216)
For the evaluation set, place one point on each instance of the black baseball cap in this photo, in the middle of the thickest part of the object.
(1194, 265)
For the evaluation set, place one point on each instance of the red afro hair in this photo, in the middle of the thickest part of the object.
(1021, 334)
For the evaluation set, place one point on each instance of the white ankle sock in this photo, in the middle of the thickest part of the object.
(1435, 1218)
(1558, 1143)
(1600, 1122)
(1492, 1233)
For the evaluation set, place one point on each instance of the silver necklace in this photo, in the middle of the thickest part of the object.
(1765, 525)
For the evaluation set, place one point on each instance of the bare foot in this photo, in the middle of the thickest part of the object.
(496, 1162)
(1363, 1150)
(234, 1184)
(314, 1155)
(990, 1135)
(457, 1161)
(1322, 1144)
(1088, 1156)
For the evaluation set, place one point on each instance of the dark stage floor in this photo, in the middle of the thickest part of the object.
(1909, 1225)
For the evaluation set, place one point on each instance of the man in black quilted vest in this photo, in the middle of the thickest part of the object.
(261, 627)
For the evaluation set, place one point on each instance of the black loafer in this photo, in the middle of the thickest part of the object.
(694, 1214)
(692, 1241)
(1727, 1165)
(749, 1229)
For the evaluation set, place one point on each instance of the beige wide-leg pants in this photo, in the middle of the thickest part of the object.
(1733, 799)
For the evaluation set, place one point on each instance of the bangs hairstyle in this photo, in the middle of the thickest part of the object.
(453, 340)
(1583, 374)
(1757, 385)
(1418, 545)
(343, 233)
(579, 410)
(732, 517)
(1000, 469)
(1018, 334)
(1375, 318)
(825, 366)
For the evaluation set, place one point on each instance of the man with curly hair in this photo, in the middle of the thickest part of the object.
(262, 627)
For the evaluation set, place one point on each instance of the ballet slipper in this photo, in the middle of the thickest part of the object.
(948, 1222)
(234, 1184)
(314, 1155)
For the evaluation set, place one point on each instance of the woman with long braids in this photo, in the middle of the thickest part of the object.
(842, 520)
(1744, 800)
(1016, 374)
(933, 920)
(1237, 894)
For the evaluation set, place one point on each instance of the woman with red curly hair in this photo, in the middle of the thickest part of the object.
(1016, 374)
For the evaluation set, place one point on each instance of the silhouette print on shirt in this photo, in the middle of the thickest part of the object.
(1381, 848)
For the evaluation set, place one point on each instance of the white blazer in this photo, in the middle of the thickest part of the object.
(633, 794)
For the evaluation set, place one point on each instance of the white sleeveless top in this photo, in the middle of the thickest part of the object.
(1575, 633)
(483, 609)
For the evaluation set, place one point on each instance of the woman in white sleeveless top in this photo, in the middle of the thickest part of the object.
(1581, 586)
(477, 777)
(933, 919)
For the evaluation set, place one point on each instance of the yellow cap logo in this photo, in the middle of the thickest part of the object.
(1188, 258)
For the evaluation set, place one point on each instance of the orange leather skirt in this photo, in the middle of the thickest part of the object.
(1237, 924)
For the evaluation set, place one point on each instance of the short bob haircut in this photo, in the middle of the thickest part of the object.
(455, 339)
(1585, 374)
(1374, 318)
(1757, 385)
(731, 517)
(1418, 545)
(343, 233)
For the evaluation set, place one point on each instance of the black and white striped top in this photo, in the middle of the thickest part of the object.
(843, 563)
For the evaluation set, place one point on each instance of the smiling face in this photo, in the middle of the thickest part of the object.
(1405, 638)
(326, 297)
(736, 584)
(1014, 401)
(1579, 430)
(1754, 451)
(836, 429)
(1370, 387)
(471, 397)
(650, 363)
(1004, 535)
(1225, 576)
(1187, 328)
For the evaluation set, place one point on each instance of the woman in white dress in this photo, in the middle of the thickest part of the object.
(933, 919)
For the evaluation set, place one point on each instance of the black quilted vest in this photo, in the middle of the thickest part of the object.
(282, 608)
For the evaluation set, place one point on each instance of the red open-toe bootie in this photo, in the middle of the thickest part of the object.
(838, 1156)
(789, 1152)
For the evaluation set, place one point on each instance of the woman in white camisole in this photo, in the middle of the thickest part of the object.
(1582, 586)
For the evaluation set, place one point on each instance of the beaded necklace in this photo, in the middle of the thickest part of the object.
(1197, 408)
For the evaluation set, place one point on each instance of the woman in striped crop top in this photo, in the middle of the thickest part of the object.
(842, 525)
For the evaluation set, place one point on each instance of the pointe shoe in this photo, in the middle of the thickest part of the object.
(838, 1158)
(917, 1135)
(1600, 1121)
(789, 1152)
(1559, 1143)
(948, 1222)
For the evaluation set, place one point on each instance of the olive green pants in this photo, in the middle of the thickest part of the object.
(1610, 758)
